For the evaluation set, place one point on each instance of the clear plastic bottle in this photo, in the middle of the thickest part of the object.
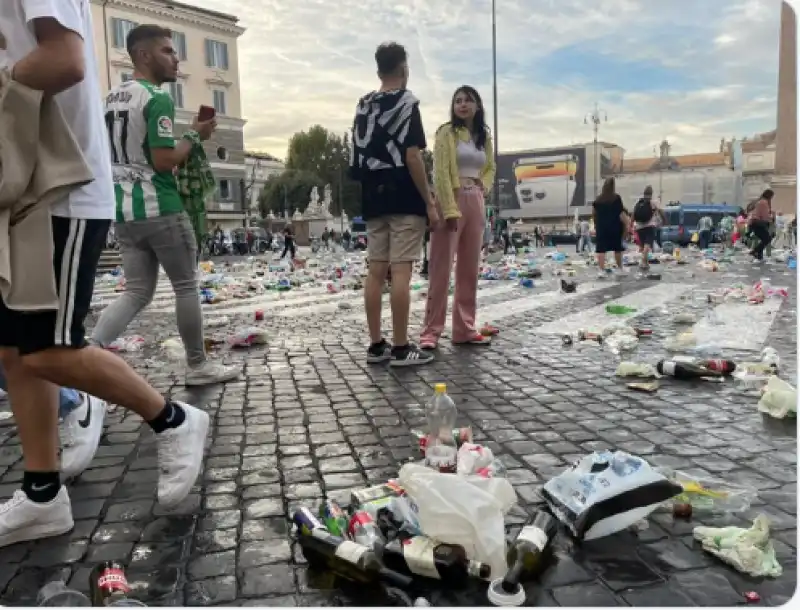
(57, 594)
(441, 414)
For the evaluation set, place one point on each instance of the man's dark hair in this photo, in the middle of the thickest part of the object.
(389, 57)
(768, 194)
(145, 33)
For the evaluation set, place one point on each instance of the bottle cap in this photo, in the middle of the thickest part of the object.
(499, 597)
(440, 388)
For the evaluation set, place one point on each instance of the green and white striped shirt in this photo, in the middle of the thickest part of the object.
(139, 118)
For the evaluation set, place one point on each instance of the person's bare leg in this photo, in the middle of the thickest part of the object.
(373, 292)
(401, 302)
(100, 373)
(34, 403)
(618, 258)
(601, 260)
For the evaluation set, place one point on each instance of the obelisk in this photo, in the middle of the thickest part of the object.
(784, 182)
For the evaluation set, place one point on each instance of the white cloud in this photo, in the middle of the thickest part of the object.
(307, 62)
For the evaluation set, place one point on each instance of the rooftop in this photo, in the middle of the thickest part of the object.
(190, 7)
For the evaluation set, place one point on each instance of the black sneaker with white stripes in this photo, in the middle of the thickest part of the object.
(409, 355)
(379, 352)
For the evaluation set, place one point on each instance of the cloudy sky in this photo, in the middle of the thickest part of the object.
(692, 71)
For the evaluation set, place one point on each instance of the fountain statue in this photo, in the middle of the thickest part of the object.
(313, 203)
(327, 201)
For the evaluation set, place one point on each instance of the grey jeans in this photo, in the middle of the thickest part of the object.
(144, 244)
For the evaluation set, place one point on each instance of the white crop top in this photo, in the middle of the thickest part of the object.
(470, 160)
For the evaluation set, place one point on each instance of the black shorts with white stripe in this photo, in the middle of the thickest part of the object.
(77, 245)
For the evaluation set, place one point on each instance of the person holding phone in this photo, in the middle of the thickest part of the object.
(153, 229)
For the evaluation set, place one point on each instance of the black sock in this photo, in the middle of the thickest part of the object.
(171, 416)
(41, 487)
(378, 345)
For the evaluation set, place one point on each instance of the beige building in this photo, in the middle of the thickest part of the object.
(260, 168)
(206, 42)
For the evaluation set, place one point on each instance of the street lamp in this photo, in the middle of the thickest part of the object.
(595, 118)
(496, 186)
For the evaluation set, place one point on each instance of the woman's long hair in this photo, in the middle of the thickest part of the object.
(478, 123)
(609, 191)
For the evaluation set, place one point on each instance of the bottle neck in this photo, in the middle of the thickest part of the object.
(513, 577)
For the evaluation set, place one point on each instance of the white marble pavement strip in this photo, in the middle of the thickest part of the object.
(419, 306)
(741, 325)
(596, 318)
(498, 311)
(485, 288)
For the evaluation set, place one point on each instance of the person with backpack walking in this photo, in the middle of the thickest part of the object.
(646, 216)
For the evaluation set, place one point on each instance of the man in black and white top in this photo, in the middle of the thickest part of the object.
(388, 140)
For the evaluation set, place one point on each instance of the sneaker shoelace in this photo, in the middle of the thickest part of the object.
(18, 498)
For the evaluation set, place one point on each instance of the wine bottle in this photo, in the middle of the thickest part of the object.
(526, 560)
(684, 370)
(350, 560)
(423, 556)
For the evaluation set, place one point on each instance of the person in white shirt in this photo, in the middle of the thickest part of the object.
(49, 48)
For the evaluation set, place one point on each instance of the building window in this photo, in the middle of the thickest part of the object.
(222, 153)
(219, 101)
(125, 77)
(120, 29)
(179, 43)
(175, 91)
(216, 54)
(225, 190)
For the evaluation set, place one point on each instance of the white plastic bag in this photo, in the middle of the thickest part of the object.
(464, 510)
(472, 457)
(748, 550)
(779, 399)
(605, 492)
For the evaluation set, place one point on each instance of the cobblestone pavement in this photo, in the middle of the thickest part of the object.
(310, 419)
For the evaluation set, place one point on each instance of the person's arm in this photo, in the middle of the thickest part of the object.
(57, 63)
(160, 116)
(415, 144)
(442, 176)
(489, 169)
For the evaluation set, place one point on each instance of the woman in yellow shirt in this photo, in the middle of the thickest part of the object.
(463, 169)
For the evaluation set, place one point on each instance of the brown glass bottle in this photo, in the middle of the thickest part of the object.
(425, 557)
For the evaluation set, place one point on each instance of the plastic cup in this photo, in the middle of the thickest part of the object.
(441, 457)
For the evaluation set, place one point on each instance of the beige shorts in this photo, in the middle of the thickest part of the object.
(395, 239)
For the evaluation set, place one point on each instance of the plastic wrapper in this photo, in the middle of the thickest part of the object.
(405, 511)
(465, 510)
(218, 322)
(779, 399)
(680, 342)
(478, 460)
(247, 337)
(621, 342)
(636, 369)
(134, 343)
(618, 328)
(606, 492)
(750, 551)
(173, 349)
(684, 318)
(709, 494)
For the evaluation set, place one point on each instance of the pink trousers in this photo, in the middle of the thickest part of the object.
(465, 245)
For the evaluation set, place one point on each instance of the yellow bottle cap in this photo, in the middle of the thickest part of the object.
(440, 388)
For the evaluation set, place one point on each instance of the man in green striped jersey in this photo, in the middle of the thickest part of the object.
(152, 227)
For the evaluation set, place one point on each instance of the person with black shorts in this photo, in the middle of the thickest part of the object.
(611, 223)
(645, 221)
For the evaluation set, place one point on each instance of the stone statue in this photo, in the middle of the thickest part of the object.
(327, 200)
(313, 204)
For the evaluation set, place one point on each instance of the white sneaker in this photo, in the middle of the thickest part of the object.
(22, 520)
(180, 455)
(211, 372)
(80, 435)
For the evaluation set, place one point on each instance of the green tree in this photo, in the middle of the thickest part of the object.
(288, 191)
(327, 155)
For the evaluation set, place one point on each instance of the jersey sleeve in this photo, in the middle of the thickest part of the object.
(160, 117)
(66, 12)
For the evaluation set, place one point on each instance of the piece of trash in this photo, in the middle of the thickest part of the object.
(680, 342)
(682, 510)
(134, 343)
(247, 337)
(708, 494)
(684, 318)
(218, 322)
(173, 349)
(619, 310)
(650, 387)
(581, 495)
(568, 287)
(750, 551)
(779, 399)
(752, 596)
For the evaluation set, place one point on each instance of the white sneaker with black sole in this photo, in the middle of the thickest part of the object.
(380, 352)
(180, 455)
(411, 355)
(210, 372)
(22, 520)
(80, 433)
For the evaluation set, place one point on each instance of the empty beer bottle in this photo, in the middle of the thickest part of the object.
(423, 556)
(109, 587)
(684, 370)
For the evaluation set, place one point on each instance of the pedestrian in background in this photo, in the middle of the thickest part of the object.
(611, 223)
(759, 223)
